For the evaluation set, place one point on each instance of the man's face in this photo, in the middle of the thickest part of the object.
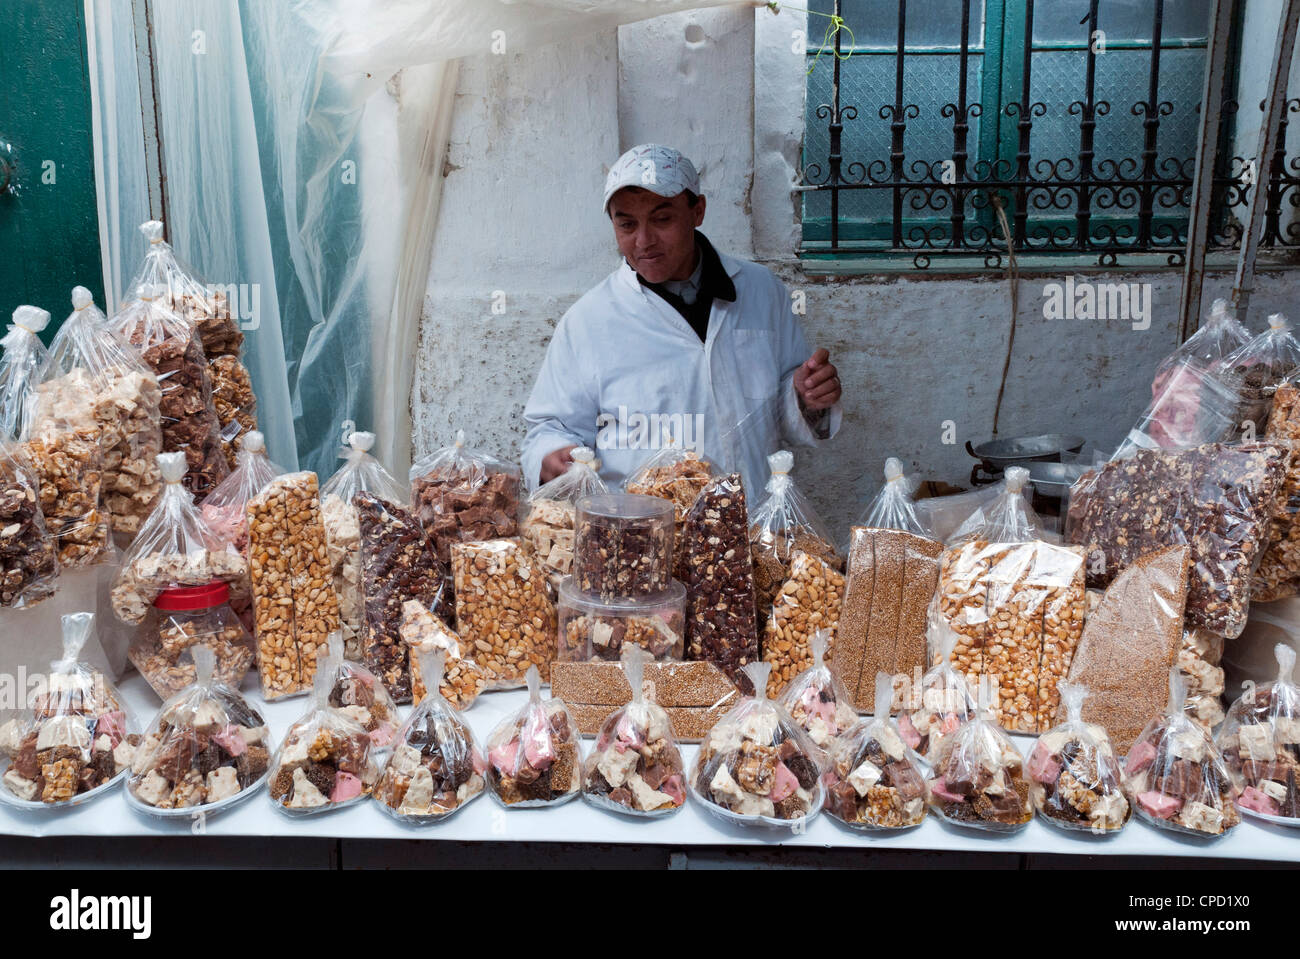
(656, 234)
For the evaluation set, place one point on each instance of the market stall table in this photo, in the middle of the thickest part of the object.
(577, 822)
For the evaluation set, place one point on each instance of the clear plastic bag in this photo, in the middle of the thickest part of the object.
(174, 548)
(1175, 775)
(783, 523)
(1130, 642)
(721, 621)
(893, 569)
(295, 608)
(325, 760)
(1017, 602)
(81, 737)
(464, 495)
(1076, 782)
(29, 565)
(1218, 336)
(636, 768)
(360, 473)
(1217, 499)
(1260, 744)
(95, 380)
(1194, 407)
(978, 775)
(678, 475)
(398, 563)
(535, 756)
(357, 693)
(22, 366)
(815, 698)
(1278, 575)
(171, 349)
(941, 703)
(502, 604)
(424, 632)
(875, 779)
(207, 747)
(225, 509)
(757, 766)
(548, 520)
(437, 766)
(69, 468)
(807, 606)
(892, 507)
(1254, 371)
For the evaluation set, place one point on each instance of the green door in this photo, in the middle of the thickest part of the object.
(49, 222)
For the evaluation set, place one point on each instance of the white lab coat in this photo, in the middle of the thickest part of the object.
(624, 365)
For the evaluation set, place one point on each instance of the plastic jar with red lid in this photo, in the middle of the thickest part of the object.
(183, 617)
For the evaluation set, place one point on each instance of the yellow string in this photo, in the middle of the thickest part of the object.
(835, 26)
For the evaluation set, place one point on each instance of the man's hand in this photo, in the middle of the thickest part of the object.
(557, 462)
(816, 382)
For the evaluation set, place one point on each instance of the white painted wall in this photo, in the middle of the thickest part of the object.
(533, 136)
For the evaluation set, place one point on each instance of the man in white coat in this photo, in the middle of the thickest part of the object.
(680, 344)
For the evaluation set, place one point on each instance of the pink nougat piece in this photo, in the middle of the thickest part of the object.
(1252, 799)
(1139, 758)
(1158, 804)
(1042, 766)
(672, 786)
(539, 751)
(785, 783)
(346, 786)
(230, 740)
(480, 765)
(939, 787)
(629, 737)
(950, 723)
(503, 757)
(112, 725)
(908, 732)
(382, 734)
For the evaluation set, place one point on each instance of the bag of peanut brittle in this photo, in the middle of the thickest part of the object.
(81, 738)
(1017, 602)
(1254, 371)
(757, 766)
(1260, 745)
(207, 747)
(1175, 776)
(425, 631)
(636, 768)
(357, 693)
(535, 756)
(783, 522)
(436, 766)
(875, 780)
(943, 700)
(464, 495)
(1278, 575)
(816, 699)
(977, 774)
(548, 519)
(1075, 779)
(326, 760)
(96, 381)
(174, 548)
(22, 365)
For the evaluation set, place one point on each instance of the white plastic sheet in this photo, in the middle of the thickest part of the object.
(288, 167)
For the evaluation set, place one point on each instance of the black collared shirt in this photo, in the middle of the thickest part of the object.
(715, 284)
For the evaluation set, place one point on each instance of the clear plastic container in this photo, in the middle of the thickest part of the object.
(595, 630)
(181, 618)
(623, 545)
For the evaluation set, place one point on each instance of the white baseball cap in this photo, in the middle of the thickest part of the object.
(652, 167)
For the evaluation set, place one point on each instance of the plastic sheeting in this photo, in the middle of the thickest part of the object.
(298, 165)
